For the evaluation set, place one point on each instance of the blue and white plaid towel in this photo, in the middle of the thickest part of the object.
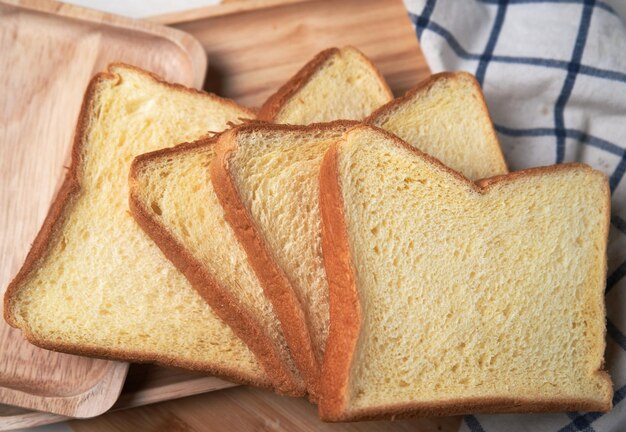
(554, 76)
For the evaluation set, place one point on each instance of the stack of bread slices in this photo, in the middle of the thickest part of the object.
(369, 252)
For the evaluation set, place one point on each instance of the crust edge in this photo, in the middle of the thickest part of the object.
(470, 406)
(275, 283)
(345, 307)
(273, 105)
(345, 311)
(68, 191)
(228, 374)
(275, 102)
(71, 184)
(219, 299)
(424, 86)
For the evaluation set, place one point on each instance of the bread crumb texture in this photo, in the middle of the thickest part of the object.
(276, 173)
(466, 294)
(446, 117)
(102, 284)
(346, 86)
(176, 190)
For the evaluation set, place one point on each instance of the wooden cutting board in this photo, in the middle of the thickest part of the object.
(49, 51)
(254, 46)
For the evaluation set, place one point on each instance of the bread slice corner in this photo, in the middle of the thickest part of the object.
(172, 199)
(259, 194)
(448, 297)
(93, 283)
(338, 83)
(446, 116)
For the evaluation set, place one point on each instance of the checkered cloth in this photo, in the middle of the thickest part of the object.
(554, 76)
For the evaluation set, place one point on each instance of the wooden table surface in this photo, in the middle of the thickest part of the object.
(244, 409)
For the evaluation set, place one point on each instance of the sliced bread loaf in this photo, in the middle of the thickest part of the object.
(266, 177)
(94, 283)
(446, 116)
(274, 175)
(339, 83)
(447, 297)
(173, 200)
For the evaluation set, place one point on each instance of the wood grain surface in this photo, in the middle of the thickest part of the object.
(252, 51)
(48, 54)
(245, 409)
(145, 384)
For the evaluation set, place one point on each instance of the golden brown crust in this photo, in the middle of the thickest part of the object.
(489, 182)
(71, 184)
(423, 87)
(54, 222)
(227, 373)
(470, 406)
(54, 218)
(275, 283)
(274, 104)
(345, 312)
(225, 305)
(482, 185)
(180, 87)
(381, 78)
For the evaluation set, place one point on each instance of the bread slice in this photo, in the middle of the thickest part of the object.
(447, 297)
(339, 83)
(94, 283)
(266, 177)
(173, 200)
(274, 189)
(446, 116)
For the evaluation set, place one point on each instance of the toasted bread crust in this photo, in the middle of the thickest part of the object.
(275, 103)
(53, 222)
(345, 310)
(423, 87)
(225, 305)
